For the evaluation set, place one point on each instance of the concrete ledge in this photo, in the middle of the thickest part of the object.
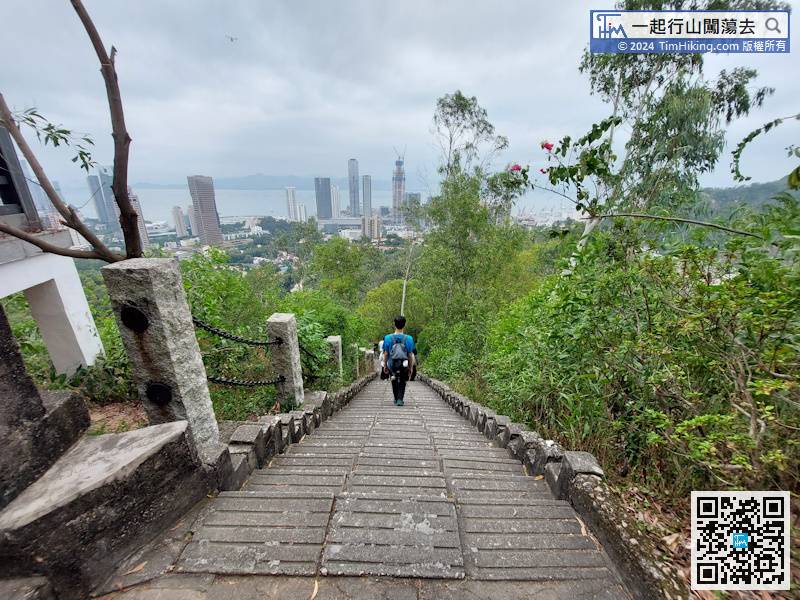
(27, 588)
(633, 554)
(103, 499)
(577, 478)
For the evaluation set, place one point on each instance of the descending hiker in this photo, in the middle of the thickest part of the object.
(398, 356)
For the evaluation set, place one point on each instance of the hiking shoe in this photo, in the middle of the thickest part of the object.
(400, 403)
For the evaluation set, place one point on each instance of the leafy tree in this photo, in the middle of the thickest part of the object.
(466, 137)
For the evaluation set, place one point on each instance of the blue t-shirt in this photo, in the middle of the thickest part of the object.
(390, 339)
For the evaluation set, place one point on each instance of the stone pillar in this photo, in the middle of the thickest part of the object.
(335, 342)
(286, 358)
(157, 330)
(358, 361)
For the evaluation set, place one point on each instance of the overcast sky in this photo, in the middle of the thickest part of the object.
(309, 84)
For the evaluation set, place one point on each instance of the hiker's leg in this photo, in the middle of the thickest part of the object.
(395, 385)
(402, 377)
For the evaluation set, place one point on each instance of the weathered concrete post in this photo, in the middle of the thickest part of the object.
(335, 342)
(358, 360)
(286, 358)
(156, 327)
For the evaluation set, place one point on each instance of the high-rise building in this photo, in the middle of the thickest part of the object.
(371, 226)
(192, 222)
(352, 179)
(180, 225)
(398, 189)
(206, 216)
(139, 217)
(366, 189)
(301, 211)
(99, 201)
(322, 190)
(103, 197)
(292, 212)
(336, 206)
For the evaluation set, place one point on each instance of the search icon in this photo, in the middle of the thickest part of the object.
(772, 25)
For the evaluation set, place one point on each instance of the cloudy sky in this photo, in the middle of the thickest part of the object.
(308, 84)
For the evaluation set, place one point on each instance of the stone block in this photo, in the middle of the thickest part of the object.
(501, 435)
(240, 471)
(288, 430)
(218, 466)
(252, 435)
(542, 452)
(300, 425)
(572, 464)
(490, 428)
(247, 451)
(527, 440)
(271, 426)
(106, 496)
(157, 330)
(552, 470)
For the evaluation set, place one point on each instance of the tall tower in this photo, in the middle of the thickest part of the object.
(192, 221)
(206, 216)
(180, 225)
(366, 185)
(106, 175)
(398, 188)
(322, 190)
(291, 204)
(139, 217)
(336, 206)
(352, 177)
(96, 193)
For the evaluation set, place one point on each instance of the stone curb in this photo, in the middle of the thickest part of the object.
(253, 445)
(577, 478)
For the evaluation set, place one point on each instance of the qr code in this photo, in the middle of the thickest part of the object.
(740, 540)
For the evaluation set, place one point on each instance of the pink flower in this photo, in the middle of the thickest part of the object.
(547, 145)
(515, 168)
(543, 171)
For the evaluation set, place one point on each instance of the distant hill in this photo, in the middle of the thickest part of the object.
(260, 181)
(753, 195)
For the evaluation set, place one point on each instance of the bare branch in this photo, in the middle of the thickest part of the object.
(128, 217)
(46, 246)
(678, 220)
(69, 214)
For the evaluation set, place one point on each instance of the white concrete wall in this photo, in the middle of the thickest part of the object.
(58, 303)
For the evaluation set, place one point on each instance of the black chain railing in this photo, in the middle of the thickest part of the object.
(233, 337)
(245, 382)
(242, 340)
